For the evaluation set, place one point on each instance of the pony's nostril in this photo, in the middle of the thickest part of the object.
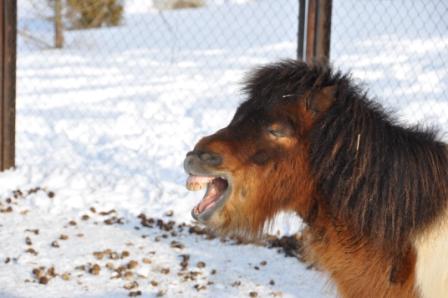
(211, 158)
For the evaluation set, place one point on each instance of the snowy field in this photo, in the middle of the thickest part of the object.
(97, 205)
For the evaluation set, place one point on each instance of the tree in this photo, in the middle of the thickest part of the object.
(84, 14)
(58, 25)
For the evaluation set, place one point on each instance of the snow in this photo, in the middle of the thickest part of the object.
(399, 52)
(106, 122)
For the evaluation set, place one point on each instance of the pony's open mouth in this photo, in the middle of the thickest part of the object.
(218, 189)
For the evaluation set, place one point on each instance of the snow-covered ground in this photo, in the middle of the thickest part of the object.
(104, 124)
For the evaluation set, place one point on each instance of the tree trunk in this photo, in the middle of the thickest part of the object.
(58, 26)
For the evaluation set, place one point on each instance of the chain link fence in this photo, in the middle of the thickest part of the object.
(398, 50)
(121, 105)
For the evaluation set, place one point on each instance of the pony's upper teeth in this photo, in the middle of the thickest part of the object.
(197, 182)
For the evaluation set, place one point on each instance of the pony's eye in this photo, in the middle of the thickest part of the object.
(276, 132)
(279, 130)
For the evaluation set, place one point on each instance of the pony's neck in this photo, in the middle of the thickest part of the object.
(353, 260)
(382, 180)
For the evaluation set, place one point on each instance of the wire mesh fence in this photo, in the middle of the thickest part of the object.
(398, 50)
(121, 105)
(125, 103)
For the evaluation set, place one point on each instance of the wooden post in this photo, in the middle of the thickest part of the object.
(8, 30)
(301, 30)
(314, 30)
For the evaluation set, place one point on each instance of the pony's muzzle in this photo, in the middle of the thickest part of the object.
(196, 160)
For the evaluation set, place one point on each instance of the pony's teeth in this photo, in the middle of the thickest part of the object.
(197, 182)
(195, 186)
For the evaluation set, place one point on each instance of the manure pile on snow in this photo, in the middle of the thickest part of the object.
(97, 251)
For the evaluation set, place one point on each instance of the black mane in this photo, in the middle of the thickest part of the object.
(383, 179)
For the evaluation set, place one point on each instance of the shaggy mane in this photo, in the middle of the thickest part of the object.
(386, 180)
(383, 179)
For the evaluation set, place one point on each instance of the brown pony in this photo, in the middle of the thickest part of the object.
(373, 193)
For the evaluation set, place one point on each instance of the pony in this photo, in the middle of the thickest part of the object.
(372, 193)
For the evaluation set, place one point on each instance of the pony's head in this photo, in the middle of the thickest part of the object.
(259, 165)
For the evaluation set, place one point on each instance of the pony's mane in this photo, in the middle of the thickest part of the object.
(385, 180)
(286, 80)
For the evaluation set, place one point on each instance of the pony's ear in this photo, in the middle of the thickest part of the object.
(322, 99)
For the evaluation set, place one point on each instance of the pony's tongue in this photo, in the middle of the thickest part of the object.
(214, 191)
(215, 188)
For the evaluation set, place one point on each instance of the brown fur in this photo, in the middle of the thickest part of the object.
(358, 268)
(308, 140)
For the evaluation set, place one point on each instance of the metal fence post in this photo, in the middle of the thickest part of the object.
(8, 30)
(314, 30)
